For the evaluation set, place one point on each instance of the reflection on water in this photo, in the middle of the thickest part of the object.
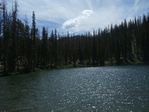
(93, 89)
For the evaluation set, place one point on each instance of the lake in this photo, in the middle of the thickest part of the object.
(92, 89)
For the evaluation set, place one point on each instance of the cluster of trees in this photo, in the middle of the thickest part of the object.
(23, 48)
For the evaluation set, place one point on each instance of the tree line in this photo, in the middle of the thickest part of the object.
(24, 49)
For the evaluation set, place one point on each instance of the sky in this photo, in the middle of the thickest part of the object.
(80, 15)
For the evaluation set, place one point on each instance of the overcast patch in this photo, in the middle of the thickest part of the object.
(65, 16)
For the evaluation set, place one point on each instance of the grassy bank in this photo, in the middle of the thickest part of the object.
(22, 72)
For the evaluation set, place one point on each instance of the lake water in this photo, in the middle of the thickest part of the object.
(92, 89)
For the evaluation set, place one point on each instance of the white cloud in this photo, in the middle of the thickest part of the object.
(75, 23)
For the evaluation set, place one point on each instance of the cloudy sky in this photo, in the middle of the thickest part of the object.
(80, 15)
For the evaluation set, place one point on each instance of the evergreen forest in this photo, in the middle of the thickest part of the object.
(24, 49)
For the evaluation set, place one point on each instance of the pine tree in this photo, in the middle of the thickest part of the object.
(33, 42)
(44, 48)
(5, 39)
(14, 37)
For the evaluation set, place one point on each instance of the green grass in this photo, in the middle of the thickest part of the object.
(107, 63)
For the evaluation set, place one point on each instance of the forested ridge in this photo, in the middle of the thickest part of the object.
(24, 49)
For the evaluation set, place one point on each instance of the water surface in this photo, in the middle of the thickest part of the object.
(93, 89)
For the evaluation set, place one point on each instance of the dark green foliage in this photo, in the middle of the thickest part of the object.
(23, 50)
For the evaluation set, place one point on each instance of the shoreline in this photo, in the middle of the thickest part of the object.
(69, 66)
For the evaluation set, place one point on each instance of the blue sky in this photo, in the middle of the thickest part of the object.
(80, 15)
